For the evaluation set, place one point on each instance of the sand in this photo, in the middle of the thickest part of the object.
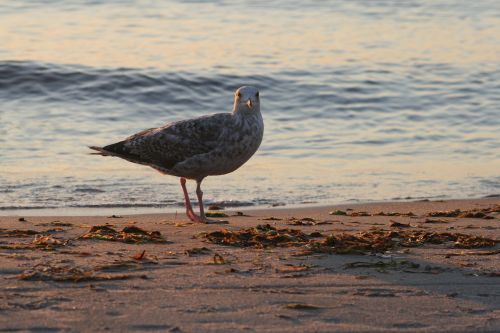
(177, 286)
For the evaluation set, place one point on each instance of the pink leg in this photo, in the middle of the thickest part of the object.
(189, 209)
(199, 194)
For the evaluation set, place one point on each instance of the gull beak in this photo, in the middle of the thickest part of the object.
(249, 104)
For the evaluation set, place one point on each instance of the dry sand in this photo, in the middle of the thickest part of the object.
(430, 288)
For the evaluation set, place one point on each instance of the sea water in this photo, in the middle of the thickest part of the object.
(362, 100)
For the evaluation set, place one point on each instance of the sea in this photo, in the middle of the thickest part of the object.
(363, 100)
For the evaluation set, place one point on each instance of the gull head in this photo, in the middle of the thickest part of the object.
(246, 99)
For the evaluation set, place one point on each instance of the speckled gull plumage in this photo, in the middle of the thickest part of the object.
(210, 145)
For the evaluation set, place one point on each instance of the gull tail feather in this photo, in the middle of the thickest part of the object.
(100, 150)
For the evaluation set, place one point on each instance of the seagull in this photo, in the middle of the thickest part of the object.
(209, 145)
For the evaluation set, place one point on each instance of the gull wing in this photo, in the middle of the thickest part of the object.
(171, 144)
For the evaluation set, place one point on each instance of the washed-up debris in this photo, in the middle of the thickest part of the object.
(383, 266)
(355, 214)
(216, 214)
(395, 224)
(115, 217)
(448, 213)
(409, 214)
(48, 242)
(17, 233)
(139, 256)
(272, 218)
(299, 306)
(241, 214)
(197, 251)
(218, 259)
(307, 221)
(55, 224)
(215, 207)
(22, 219)
(263, 235)
(129, 234)
(64, 273)
(377, 241)
(474, 213)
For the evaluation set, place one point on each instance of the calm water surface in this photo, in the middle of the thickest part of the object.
(362, 100)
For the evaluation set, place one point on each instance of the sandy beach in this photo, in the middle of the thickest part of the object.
(164, 273)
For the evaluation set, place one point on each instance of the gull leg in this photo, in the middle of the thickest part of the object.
(199, 194)
(189, 209)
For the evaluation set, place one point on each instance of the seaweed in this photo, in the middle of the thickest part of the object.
(197, 251)
(409, 214)
(395, 224)
(383, 266)
(299, 306)
(379, 241)
(308, 221)
(216, 214)
(56, 224)
(261, 236)
(130, 234)
(474, 213)
(17, 233)
(272, 218)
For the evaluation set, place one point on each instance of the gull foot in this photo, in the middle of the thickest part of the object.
(195, 218)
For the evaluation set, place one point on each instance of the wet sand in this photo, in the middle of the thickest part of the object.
(51, 280)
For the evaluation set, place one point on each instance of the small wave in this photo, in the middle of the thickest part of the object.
(21, 79)
(27, 207)
(88, 190)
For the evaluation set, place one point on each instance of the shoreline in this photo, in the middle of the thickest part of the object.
(105, 211)
(57, 274)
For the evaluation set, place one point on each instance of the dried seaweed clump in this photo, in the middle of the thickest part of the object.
(127, 235)
(474, 213)
(263, 235)
(376, 241)
(363, 242)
